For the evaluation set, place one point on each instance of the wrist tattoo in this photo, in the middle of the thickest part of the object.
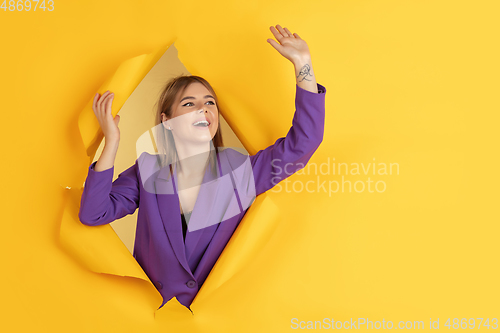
(305, 72)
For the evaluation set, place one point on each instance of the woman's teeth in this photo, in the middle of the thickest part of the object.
(201, 123)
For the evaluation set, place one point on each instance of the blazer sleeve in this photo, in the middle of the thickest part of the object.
(103, 200)
(291, 153)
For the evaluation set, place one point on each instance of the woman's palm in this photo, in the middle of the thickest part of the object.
(291, 46)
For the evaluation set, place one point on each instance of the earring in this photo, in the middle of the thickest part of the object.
(170, 128)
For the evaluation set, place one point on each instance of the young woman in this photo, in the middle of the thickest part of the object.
(186, 218)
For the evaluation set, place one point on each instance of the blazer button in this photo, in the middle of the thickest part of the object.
(158, 285)
(191, 283)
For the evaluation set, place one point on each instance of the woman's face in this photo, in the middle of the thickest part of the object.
(195, 104)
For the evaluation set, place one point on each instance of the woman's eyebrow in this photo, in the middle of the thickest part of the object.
(191, 97)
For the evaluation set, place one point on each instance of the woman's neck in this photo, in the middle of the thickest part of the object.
(193, 159)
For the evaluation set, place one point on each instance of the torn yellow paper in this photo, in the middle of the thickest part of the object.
(126, 78)
(97, 248)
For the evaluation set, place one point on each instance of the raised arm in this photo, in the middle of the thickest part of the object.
(104, 201)
(291, 153)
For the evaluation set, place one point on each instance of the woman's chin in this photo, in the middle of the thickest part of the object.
(202, 140)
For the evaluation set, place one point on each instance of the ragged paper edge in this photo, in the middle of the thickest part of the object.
(98, 248)
(123, 82)
(247, 243)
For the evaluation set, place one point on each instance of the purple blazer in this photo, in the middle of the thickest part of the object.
(177, 267)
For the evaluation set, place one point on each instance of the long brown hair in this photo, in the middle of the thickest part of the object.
(165, 141)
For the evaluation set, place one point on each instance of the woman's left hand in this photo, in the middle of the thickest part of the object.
(291, 46)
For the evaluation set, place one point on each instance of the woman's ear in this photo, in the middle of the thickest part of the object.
(165, 121)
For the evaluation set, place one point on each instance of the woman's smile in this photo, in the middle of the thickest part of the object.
(202, 122)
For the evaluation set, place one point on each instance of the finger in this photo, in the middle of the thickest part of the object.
(288, 32)
(276, 33)
(99, 102)
(96, 96)
(109, 102)
(104, 94)
(297, 35)
(277, 46)
(108, 113)
(103, 99)
(280, 29)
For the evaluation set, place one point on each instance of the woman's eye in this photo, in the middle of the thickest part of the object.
(193, 104)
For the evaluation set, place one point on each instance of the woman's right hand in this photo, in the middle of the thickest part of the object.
(102, 110)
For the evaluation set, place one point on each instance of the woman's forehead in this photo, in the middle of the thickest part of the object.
(194, 89)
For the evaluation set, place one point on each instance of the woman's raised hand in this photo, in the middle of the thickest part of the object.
(102, 110)
(291, 46)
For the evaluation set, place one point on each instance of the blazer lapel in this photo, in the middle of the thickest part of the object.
(216, 202)
(168, 205)
(199, 223)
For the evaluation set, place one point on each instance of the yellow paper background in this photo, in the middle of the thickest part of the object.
(413, 83)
